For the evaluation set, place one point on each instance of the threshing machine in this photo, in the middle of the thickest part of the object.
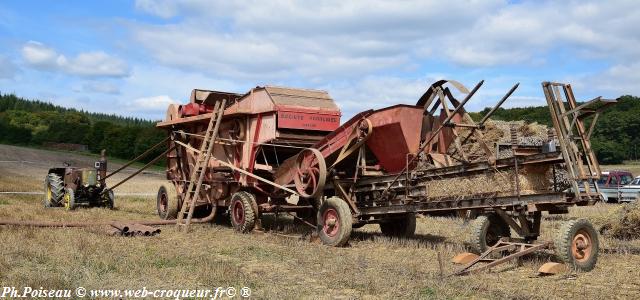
(283, 150)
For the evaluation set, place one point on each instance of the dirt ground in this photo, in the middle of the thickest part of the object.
(275, 264)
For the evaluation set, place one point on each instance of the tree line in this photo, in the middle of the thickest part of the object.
(32, 122)
(615, 136)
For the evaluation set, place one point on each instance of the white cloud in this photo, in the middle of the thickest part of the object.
(89, 64)
(150, 104)
(7, 68)
(99, 87)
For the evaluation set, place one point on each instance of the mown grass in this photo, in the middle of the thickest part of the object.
(285, 267)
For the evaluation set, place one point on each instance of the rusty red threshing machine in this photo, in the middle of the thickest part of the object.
(284, 150)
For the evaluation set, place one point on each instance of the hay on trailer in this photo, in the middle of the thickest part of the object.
(499, 183)
(624, 224)
(499, 132)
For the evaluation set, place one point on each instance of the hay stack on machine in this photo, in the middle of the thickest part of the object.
(382, 166)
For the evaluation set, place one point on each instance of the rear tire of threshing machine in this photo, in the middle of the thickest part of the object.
(577, 244)
(167, 202)
(242, 211)
(400, 227)
(334, 222)
(69, 199)
(486, 231)
(53, 190)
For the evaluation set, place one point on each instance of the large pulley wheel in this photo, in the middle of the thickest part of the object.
(243, 212)
(53, 190)
(167, 202)
(310, 173)
(577, 244)
(334, 222)
(486, 231)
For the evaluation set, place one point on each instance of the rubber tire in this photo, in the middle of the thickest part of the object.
(247, 202)
(401, 227)
(344, 218)
(481, 226)
(564, 239)
(110, 198)
(173, 204)
(57, 190)
(71, 198)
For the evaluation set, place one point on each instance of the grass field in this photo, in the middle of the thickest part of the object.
(277, 265)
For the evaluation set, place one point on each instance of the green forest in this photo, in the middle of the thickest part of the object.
(29, 122)
(32, 123)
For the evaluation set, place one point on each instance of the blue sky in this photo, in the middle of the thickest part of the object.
(135, 57)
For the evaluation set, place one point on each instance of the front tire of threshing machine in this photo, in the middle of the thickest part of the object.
(69, 199)
(242, 211)
(53, 190)
(486, 231)
(334, 222)
(167, 202)
(577, 244)
(400, 227)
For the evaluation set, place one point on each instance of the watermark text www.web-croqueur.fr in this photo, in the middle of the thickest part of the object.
(9, 292)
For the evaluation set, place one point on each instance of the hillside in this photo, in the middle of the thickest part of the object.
(32, 122)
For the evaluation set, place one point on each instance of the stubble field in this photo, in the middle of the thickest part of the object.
(273, 264)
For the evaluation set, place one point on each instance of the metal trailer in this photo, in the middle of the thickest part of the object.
(385, 166)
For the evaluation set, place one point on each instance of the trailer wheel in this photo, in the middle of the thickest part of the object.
(577, 244)
(241, 210)
(486, 231)
(167, 202)
(401, 227)
(69, 199)
(53, 190)
(334, 222)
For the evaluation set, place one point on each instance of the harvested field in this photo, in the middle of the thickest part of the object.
(273, 266)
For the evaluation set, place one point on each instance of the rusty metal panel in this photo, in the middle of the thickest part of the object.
(396, 134)
(302, 98)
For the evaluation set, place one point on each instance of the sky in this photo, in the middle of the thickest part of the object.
(133, 58)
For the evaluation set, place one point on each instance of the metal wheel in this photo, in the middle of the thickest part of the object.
(242, 212)
(69, 199)
(334, 222)
(486, 231)
(577, 244)
(311, 173)
(167, 202)
(53, 190)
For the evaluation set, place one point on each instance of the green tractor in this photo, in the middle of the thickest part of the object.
(71, 187)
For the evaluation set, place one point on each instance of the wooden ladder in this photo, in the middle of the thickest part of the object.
(202, 161)
(569, 118)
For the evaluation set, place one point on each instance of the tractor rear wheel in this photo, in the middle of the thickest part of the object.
(53, 190)
(334, 222)
(400, 227)
(242, 212)
(69, 199)
(167, 202)
(577, 244)
(486, 231)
